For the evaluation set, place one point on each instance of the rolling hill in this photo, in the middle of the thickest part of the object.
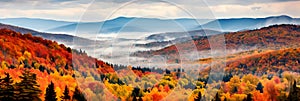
(272, 61)
(274, 37)
(61, 38)
(34, 23)
(134, 24)
(50, 67)
(131, 24)
(48, 61)
(37, 67)
(168, 36)
(152, 25)
(239, 24)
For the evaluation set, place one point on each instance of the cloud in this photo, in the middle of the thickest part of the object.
(72, 10)
(109, 11)
(198, 2)
(244, 2)
(42, 4)
(256, 8)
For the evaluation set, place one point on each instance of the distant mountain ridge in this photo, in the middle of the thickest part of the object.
(239, 24)
(131, 24)
(276, 36)
(62, 38)
(149, 25)
(170, 38)
(176, 35)
(34, 23)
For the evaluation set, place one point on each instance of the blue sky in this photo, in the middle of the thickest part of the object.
(98, 10)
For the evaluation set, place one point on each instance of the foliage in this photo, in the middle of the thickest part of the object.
(36, 69)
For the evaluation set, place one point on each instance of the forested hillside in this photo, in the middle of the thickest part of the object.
(274, 37)
(33, 68)
(260, 76)
(36, 69)
(29, 64)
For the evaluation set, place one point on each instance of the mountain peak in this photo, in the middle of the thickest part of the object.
(123, 18)
(281, 16)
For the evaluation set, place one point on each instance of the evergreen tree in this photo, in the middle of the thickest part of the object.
(50, 93)
(136, 94)
(235, 90)
(66, 96)
(198, 98)
(6, 88)
(28, 89)
(78, 95)
(260, 87)
(293, 95)
(217, 98)
(249, 98)
(66, 66)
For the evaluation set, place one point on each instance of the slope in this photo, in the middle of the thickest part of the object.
(274, 37)
(61, 38)
(49, 61)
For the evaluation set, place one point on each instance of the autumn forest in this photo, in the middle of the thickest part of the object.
(37, 69)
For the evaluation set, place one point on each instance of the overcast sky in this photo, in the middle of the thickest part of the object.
(98, 10)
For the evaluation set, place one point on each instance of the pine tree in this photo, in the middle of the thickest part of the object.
(198, 98)
(50, 93)
(217, 98)
(136, 94)
(6, 88)
(249, 98)
(66, 96)
(293, 95)
(235, 90)
(78, 95)
(28, 89)
(260, 87)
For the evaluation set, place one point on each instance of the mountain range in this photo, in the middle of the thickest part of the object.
(272, 37)
(148, 25)
(61, 38)
(34, 23)
(239, 24)
(131, 24)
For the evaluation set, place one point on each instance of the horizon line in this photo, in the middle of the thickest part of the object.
(175, 18)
